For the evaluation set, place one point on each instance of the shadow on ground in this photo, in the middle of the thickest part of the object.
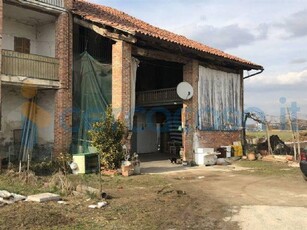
(152, 163)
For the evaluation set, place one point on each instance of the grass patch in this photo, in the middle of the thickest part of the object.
(135, 204)
(265, 168)
(284, 135)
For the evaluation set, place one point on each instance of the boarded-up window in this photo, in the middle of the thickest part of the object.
(219, 100)
(22, 45)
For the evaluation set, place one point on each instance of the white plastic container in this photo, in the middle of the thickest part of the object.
(200, 158)
(205, 150)
(201, 154)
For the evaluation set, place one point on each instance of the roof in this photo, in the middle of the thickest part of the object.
(124, 22)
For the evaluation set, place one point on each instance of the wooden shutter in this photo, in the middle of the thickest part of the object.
(22, 45)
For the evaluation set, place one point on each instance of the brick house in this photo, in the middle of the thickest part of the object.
(147, 64)
(36, 41)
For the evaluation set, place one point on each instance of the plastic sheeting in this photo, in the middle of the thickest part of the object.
(29, 130)
(93, 93)
(134, 65)
(219, 100)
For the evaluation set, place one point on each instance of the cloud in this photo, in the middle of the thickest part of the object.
(265, 92)
(289, 82)
(292, 78)
(298, 61)
(226, 37)
(295, 25)
(262, 30)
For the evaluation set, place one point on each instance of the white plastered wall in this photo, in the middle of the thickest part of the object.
(13, 110)
(147, 136)
(42, 37)
(45, 116)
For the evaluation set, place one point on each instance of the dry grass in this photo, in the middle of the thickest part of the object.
(265, 168)
(136, 204)
(284, 135)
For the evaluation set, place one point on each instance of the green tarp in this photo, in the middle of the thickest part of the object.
(92, 94)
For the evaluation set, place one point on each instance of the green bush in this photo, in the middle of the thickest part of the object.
(107, 135)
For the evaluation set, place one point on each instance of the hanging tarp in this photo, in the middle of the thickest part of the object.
(219, 100)
(134, 65)
(94, 94)
(29, 130)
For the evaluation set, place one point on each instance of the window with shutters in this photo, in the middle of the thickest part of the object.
(22, 45)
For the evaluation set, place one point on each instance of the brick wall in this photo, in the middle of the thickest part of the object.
(63, 100)
(121, 74)
(1, 26)
(209, 139)
(121, 83)
(68, 4)
(190, 75)
(216, 139)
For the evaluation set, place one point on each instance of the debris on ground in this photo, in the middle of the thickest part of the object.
(83, 189)
(166, 190)
(221, 161)
(293, 164)
(102, 204)
(98, 205)
(275, 158)
(277, 145)
(62, 202)
(258, 156)
(43, 197)
(10, 198)
(127, 168)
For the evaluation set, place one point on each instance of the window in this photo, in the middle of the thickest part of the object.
(22, 45)
(219, 100)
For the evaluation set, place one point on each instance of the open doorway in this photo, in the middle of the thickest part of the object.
(157, 120)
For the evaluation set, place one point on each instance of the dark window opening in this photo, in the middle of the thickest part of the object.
(97, 46)
(155, 74)
(22, 45)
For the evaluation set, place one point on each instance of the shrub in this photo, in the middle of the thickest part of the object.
(107, 135)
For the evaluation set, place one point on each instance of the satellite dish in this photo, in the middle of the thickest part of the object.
(185, 90)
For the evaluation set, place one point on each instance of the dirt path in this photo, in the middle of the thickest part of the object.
(199, 198)
(252, 201)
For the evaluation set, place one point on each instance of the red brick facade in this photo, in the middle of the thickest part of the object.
(1, 28)
(63, 101)
(206, 139)
(190, 75)
(121, 74)
(216, 139)
(121, 90)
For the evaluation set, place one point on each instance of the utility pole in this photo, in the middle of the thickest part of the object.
(293, 135)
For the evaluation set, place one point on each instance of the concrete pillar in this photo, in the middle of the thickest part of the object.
(190, 108)
(63, 98)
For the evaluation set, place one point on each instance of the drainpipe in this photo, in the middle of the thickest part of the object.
(259, 72)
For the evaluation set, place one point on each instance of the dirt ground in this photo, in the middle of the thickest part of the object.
(219, 197)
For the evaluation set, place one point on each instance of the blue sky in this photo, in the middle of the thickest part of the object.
(267, 32)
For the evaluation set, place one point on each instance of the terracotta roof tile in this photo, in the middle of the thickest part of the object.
(122, 21)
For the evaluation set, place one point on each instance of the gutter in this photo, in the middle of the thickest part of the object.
(251, 75)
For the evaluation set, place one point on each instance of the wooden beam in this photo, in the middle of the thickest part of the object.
(195, 54)
(159, 55)
(104, 32)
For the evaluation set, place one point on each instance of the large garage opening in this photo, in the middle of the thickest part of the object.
(157, 129)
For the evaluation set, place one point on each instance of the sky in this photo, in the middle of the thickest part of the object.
(272, 33)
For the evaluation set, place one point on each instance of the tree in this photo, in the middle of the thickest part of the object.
(107, 135)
